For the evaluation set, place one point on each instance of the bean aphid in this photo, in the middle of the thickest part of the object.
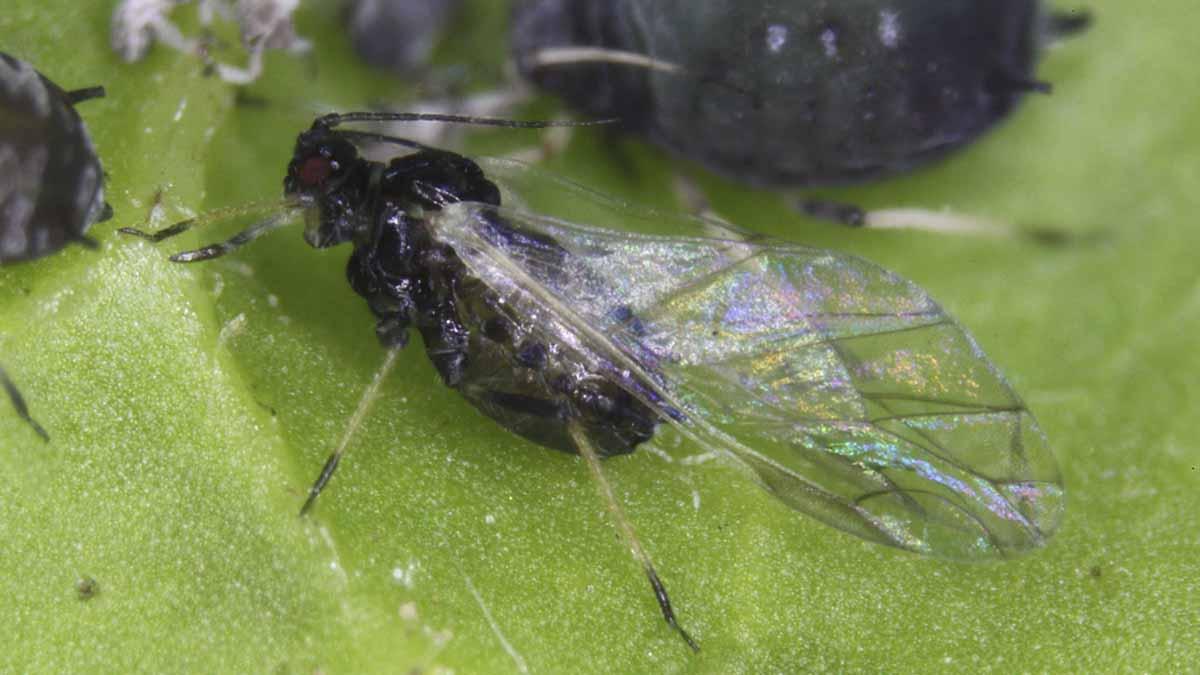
(51, 181)
(845, 390)
(793, 94)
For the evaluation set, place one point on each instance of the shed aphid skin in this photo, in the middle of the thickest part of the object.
(398, 35)
(793, 94)
(263, 24)
(138, 24)
(51, 181)
(844, 390)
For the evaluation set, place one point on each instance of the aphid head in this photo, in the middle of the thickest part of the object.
(327, 175)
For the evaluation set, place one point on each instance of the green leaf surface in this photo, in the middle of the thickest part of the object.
(191, 406)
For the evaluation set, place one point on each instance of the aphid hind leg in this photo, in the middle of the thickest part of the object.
(18, 404)
(86, 94)
(584, 446)
(1066, 24)
(364, 406)
(926, 220)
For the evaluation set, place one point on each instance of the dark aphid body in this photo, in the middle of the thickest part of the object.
(398, 34)
(411, 280)
(51, 182)
(796, 92)
(845, 390)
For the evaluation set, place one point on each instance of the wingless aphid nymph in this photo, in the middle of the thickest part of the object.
(51, 182)
(845, 390)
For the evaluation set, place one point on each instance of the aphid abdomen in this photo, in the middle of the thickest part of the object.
(534, 388)
(527, 386)
(793, 93)
(53, 187)
(501, 363)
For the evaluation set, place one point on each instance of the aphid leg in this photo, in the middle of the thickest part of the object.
(626, 529)
(1066, 24)
(925, 220)
(1007, 80)
(835, 212)
(216, 215)
(18, 404)
(236, 241)
(86, 241)
(937, 221)
(364, 405)
(552, 57)
(86, 94)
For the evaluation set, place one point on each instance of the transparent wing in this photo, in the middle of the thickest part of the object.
(845, 388)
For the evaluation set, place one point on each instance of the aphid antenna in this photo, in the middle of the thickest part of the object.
(625, 528)
(370, 395)
(332, 120)
(213, 216)
(268, 224)
(18, 404)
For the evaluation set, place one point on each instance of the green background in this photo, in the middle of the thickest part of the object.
(191, 406)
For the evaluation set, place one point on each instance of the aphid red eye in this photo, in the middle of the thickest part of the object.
(316, 170)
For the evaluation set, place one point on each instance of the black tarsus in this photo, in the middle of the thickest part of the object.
(331, 465)
(1066, 24)
(86, 94)
(664, 603)
(837, 212)
(86, 241)
(1005, 80)
(18, 404)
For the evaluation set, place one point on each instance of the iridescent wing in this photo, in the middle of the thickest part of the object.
(849, 392)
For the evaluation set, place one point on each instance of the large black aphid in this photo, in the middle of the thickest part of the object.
(795, 93)
(51, 182)
(843, 389)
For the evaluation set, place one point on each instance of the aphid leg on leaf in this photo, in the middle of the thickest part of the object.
(85, 94)
(364, 406)
(573, 56)
(1066, 24)
(214, 216)
(929, 220)
(626, 530)
(18, 404)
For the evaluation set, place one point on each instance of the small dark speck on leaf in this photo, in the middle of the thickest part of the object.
(87, 588)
